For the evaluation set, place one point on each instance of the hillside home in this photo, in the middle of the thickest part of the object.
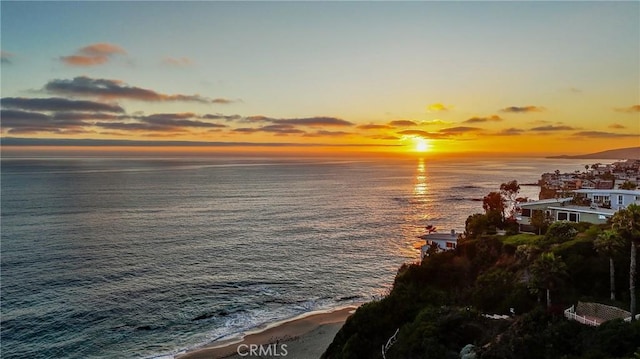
(602, 206)
(439, 241)
(613, 198)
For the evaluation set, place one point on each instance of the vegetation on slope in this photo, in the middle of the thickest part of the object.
(436, 305)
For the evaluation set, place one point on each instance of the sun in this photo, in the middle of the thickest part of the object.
(422, 145)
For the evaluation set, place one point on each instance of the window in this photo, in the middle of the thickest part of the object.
(566, 216)
(620, 199)
(526, 212)
(451, 245)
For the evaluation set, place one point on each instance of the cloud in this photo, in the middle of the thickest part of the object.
(173, 121)
(18, 121)
(551, 128)
(223, 101)
(438, 107)
(275, 129)
(6, 57)
(402, 123)
(305, 121)
(493, 118)
(434, 122)
(179, 62)
(600, 134)
(218, 116)
(423, 134)
(631, 109)
(523, 109)
(372, 126)
(13, 141)
(385, 137)
(57, 104)
(324, 133)
(460, 130)
(509, 132)
(111, 89)
(314, 121)
(617, 126)
(95, 54)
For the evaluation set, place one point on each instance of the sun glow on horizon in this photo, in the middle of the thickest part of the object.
(422, 145)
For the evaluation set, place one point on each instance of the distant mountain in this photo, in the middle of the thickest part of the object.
(617, 154)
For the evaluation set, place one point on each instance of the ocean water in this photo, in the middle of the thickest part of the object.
(145, 258)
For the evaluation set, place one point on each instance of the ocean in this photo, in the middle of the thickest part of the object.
(146, 258)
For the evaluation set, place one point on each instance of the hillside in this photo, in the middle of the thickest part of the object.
(617, 154)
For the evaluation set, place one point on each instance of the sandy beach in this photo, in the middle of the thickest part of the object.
(304, 337)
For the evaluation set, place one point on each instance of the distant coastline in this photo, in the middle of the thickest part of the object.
(617, 154)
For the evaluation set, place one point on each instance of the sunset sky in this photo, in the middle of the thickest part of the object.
(463, 77)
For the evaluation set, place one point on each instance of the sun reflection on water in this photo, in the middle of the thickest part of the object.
(420, 188)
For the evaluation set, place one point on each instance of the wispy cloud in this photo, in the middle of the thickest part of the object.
(94, 54)
(439, 107)
(315, 121)
(630, 109)
(18, 121)
(402, 123)
(177, 61)
(325, 133)
(13, 141)
(493, 118)
(617, 126)
(509, 132)
(434, 123)
(423, 134)
(523, 109)
(276, 129)
(460, 130)
(57, 104)
(177, 120)
(218, 116)
(552, 128)
(373, 126)
(6, 57)
(601, 134)
(385, 137)
(112, 89)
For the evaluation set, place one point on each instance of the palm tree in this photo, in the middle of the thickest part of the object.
(548, 271)
(609, 243)
(627, 223)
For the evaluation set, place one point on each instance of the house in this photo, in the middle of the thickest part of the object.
(440, 242)
(600, 206)
(612, 198)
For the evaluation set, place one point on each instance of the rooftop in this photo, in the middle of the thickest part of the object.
(583, 209)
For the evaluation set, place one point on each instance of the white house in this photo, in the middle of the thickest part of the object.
(442, 241)
(614, 198)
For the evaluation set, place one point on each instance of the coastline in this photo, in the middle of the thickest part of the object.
(301, 337)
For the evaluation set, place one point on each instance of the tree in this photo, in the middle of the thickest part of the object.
(627, 223)
(548, 272)
(628, 185)
(608, 243)
(494, 205)
(509, 192)
(561, 231)
(586, 168)
(475, 225)
(540, 220)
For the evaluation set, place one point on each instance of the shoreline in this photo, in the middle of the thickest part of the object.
(304, 336)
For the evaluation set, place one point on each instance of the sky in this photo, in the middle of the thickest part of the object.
(508, 78)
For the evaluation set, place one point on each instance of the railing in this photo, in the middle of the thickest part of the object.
(570, 314)
(390, 342)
